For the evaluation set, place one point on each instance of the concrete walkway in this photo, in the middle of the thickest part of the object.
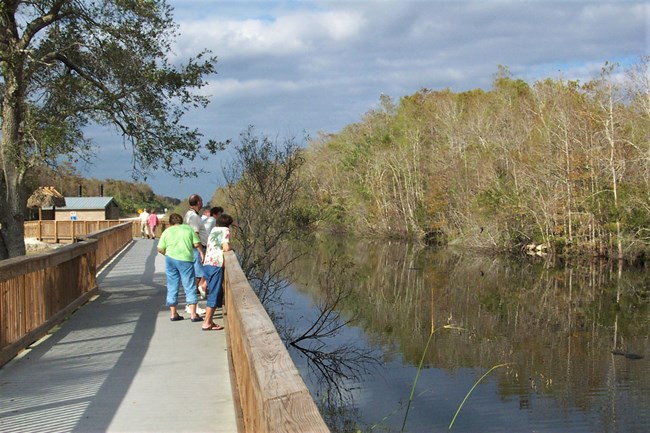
(120, 365)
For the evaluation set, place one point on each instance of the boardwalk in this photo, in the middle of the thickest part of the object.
(119, 365)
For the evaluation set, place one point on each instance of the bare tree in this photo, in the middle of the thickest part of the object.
(263, 190)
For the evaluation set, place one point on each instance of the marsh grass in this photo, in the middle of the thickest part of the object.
(470, 391)
(417, 376)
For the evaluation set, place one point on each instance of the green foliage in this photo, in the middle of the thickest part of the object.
(303, 216)
(495, 198)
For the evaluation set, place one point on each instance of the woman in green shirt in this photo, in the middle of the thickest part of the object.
(177, 244)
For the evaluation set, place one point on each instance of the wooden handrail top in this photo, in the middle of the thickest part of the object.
(17, 266)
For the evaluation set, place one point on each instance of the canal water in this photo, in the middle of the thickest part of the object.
(512, 345)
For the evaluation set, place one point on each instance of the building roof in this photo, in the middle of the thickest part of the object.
(85, 203)
(45, 196)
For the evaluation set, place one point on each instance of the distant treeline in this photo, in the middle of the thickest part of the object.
(558, 164)
(130, 196)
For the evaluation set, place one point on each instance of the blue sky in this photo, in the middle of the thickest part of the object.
(315, 66)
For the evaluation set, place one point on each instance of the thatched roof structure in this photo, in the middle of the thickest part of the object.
(46, 196)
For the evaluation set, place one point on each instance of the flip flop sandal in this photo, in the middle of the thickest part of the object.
(214, 327)
(176, 318)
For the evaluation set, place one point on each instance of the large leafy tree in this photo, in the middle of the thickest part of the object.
(68, 64)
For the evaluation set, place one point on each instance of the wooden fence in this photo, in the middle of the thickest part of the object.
(39, 291)
(273, 396)
(64, 231)
(71, 231)
(110, 241)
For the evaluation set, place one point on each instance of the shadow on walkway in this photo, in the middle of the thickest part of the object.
(109, 368)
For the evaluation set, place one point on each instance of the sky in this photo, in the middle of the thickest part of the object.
(296, 68)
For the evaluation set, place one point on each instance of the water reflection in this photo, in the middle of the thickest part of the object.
(334, 364)
(556, 326)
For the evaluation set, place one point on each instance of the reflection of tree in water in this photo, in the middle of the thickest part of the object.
(335, 366)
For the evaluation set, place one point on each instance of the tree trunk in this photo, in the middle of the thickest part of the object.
(12, 230)
(609, 131)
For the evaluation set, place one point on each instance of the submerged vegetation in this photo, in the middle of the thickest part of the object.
(555, 164)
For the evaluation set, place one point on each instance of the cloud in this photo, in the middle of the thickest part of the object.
(258, 87)
(291, 34)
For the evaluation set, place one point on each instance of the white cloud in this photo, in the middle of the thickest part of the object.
(291, 34)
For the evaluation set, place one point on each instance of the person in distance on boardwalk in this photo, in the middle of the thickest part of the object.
(213, 265)
(177, 244)
(153, 223)
(144, 218)
(193, 219)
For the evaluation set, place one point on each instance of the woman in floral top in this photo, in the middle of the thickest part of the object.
(218, 243)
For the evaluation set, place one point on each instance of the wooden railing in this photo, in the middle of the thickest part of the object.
(71, 231)
(64, 231)
(39, 291)
(110, 241)
(272, 394)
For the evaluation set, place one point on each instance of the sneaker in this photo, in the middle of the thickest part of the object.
(199, 311)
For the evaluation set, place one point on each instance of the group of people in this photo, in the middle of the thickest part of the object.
(194, 248)
(148, 223)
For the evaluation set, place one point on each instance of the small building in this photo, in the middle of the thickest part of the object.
(84, 209)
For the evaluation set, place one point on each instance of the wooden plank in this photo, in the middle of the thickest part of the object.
(17, 266)
(31, 300)
(293, 413)
(9, 305)
(10, 351)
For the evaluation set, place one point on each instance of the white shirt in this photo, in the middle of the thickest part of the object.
(209, 223)
(194, 220)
